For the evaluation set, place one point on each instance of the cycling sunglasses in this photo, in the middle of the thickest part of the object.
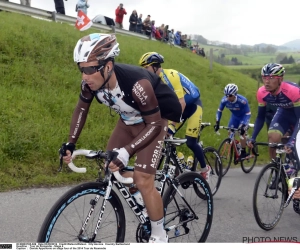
(270, 77)
(90, 69)
(229, 95)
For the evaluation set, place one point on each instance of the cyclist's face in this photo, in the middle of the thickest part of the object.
(272, 83)
(149, 68)
(231, 98)
(91, 75)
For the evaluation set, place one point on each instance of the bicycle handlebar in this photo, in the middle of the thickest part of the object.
(232, 129)
(92, 154)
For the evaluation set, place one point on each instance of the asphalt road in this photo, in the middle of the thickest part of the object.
(22, 213)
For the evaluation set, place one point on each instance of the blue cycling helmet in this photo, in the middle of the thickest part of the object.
(231, 89)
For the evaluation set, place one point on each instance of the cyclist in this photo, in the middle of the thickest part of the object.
(240, 113)
(129, 90)
(285, 96)
(189, 98)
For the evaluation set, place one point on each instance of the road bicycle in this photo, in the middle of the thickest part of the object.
(211, 157)
(93, 212)
(270, 195)
(230, 149)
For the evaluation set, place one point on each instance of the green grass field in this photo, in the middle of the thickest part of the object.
(40, 85)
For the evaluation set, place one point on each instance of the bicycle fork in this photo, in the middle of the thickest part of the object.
(93, 203)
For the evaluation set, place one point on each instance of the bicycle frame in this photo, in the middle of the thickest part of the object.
(111, 180)
(234, 142)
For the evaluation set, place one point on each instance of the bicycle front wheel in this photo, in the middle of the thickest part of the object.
(226, 153)
(269, 198)
(190, 215)
(83, 205)
(212, 159)
(248, 164)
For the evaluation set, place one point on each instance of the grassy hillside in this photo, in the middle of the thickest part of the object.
(40, 85)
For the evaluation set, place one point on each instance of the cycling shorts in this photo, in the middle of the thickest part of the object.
(283, 120)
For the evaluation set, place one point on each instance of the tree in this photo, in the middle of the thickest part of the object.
(291, 60)
(280, 56)
(284, 60)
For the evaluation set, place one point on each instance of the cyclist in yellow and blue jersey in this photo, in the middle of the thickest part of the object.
(189, 98)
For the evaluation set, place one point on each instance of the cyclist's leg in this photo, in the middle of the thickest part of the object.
(192, 132)
(145, 168)
(119, 137)
(280, 124)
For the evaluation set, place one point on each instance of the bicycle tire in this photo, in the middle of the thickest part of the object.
(225, 156)
(245, 169)
(187, 183)
(58, 215)
(216, 168)
(267, 186)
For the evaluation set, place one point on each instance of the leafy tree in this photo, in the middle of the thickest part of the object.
(280, 56)
(291, 60)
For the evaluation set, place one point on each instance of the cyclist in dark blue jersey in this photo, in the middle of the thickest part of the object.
(240, 112)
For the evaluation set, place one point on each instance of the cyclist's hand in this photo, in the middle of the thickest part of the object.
(171, 129)
(289, 148)
(250, 142)
(121, 161)
(243, 129)
(217, 127)
(66, 152)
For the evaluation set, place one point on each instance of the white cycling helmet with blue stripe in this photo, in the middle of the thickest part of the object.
(231, 89)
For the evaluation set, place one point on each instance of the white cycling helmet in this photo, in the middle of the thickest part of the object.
(96, 47)
(231, 89)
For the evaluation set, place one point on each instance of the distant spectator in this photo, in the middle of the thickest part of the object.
(177, 37)
(166, 33)
(133, 19)
(26, 2)
(161, 30)
(59, 6)
(201, 52)
(120, 12)
(189, 43)
(147, 26)
(139, 24)
(82, 5)
(153, 29)
(171, 37)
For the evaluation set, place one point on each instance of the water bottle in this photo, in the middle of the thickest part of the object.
(181, 159)
(289, 171)
(136, 194)
(190, 162)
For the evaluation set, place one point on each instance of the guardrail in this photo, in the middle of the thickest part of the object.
(56, 17)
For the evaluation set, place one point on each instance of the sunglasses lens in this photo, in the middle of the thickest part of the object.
(88, 70)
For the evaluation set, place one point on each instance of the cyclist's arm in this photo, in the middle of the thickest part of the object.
(259, 122)
(220, 110)
(247, 116)
(151, 115)
(292, 139)
(174, 79)
(80, 113)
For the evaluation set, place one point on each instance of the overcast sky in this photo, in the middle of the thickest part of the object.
(231, 21)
